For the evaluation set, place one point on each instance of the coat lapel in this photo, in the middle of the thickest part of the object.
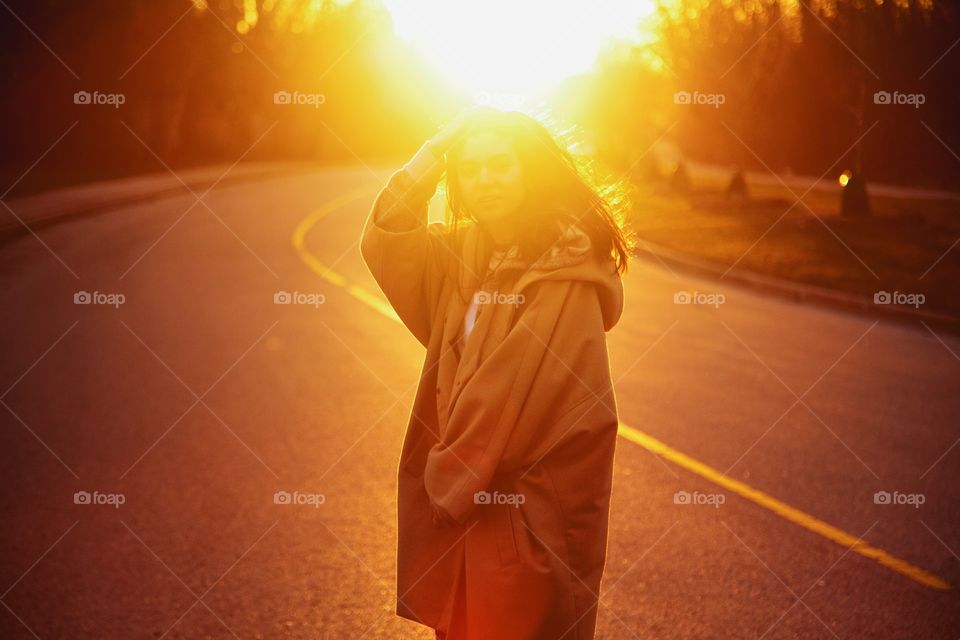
(492, 323)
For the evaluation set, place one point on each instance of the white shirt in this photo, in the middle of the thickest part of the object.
(470, 318)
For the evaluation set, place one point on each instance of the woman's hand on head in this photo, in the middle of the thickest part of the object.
(430, 161)
(441, 142)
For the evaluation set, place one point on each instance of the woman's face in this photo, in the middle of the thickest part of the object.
(490, 177)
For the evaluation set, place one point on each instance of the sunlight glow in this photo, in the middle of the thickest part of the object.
(517, 47)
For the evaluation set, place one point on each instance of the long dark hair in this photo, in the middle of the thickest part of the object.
(560, 187)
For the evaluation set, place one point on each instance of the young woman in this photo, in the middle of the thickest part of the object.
(505, 473)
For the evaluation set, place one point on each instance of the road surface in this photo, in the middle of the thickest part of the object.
(182, 408)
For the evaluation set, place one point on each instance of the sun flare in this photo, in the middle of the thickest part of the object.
(514, 48)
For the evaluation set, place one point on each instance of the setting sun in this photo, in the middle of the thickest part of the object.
(510, 47)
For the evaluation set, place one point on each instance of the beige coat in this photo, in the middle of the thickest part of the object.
(525, 413)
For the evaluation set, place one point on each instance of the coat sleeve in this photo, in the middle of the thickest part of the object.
(405, 253)
(493, 410)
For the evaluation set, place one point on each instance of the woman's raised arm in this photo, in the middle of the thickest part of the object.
(405, 253)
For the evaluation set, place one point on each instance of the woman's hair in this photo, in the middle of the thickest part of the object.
(560, 188)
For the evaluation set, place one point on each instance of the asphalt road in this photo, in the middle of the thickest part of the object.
(183, 410)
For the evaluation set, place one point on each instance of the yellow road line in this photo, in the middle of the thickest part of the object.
(782, 509)
(299, 242)
(636, 436)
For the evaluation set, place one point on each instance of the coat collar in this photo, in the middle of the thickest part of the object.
(571, 257)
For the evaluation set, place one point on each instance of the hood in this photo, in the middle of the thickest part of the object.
(570, 258)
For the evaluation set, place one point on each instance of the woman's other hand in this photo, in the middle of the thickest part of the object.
(440, 517)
